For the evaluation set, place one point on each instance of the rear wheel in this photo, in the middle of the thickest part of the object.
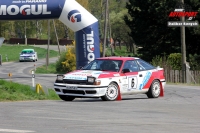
(111, 92)
(66, 98)
(154, 90)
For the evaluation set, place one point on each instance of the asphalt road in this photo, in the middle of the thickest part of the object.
(22, 73)
(177, 112)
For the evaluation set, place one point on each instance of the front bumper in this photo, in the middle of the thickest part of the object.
(26, 58)
(80, 90)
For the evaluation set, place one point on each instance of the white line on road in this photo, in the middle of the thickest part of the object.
(15, 131)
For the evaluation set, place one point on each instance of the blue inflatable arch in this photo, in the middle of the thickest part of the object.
(69, 12)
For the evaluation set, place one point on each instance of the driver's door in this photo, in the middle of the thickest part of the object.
(134, 77)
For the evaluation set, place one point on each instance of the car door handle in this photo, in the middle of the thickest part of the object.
(140, 75)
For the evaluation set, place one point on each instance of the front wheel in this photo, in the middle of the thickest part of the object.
(66, 98)
(111, 92)
(154, 90)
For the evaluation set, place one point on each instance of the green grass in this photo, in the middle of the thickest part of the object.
(10, 91)
(47, 70)
(12, 52)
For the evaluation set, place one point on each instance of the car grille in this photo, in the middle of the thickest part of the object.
(78, 91)
(74, 92)
(83, 82)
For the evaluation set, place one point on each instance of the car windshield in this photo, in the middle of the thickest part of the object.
(27, 52)
(104, 65)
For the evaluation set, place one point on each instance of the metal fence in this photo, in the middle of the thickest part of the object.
(175, 76)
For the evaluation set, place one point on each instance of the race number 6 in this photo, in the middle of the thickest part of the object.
(132, 82)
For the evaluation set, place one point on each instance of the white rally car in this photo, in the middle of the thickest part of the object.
(28, 55)
(111, 77)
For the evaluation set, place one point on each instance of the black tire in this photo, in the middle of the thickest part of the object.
(111, 92)
(66, 98)
(154, 90)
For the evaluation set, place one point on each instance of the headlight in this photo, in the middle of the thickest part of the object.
(90, 79)
(93, 81)
(60, 77)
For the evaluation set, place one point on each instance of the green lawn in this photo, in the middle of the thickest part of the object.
(12, 52)
(10, 91)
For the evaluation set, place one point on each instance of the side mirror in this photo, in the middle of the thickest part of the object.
(125, 70)
(80, 67)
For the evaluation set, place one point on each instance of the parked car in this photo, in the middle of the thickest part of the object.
(28, 55)
(111, 77)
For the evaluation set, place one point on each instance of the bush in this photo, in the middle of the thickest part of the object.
(194, 62)
(67, 61)
(174, 60)
(159, 61)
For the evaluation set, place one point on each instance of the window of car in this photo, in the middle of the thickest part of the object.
(143, 65)
(104, 65)
(131, 65)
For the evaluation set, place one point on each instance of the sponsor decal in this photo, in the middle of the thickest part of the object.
(183, 10)
(145, 80)
(88, 46)
(76, 78)
(86, 71)
(82, 74)
(24, 10)
(101, 73)
(98, 72)
(116, 75)
(74, 16)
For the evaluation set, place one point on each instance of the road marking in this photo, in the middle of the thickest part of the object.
(15, 131)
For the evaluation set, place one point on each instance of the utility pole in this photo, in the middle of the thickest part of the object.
(47, 57)
(56, 36)
(183, 48)
(105, 29)
(25, 34)
(110, 32)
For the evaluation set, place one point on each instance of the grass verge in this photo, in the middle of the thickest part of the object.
(11, 52)
(10, 91)
(51, 69)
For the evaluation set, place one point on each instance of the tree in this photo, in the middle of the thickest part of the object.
(149, 29)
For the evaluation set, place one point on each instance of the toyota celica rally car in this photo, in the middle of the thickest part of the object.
(110, 77)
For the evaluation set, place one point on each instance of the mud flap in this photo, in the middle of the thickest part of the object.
(119, 95)
(161, 91)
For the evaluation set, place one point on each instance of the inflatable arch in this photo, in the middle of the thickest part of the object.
(69, 12)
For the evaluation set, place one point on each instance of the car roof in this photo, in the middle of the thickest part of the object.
(118, 58)
(27, 49)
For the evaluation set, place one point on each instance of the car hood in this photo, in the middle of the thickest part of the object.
(83, 74)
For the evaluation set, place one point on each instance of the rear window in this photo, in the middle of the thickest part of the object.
(143, 65)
